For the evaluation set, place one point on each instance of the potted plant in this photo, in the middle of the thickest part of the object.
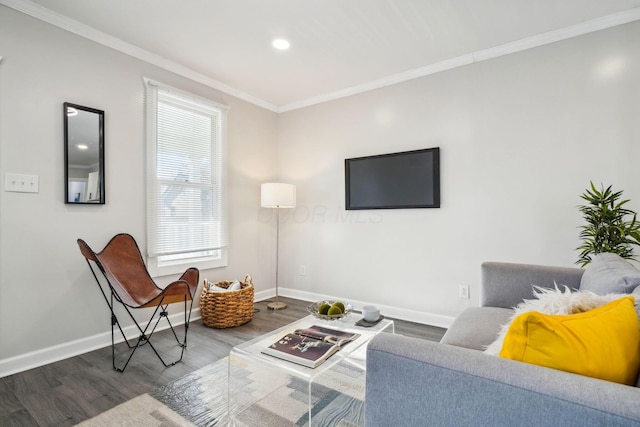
(610, 227)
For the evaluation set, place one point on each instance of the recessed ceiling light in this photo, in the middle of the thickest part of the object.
(71, 112)
(281, 44)
(82, 146)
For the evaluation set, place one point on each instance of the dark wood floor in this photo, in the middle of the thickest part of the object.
(72, 390)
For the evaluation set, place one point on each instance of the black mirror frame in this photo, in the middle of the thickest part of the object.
(101, 167)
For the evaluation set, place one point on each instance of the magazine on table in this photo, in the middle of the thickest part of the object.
(310, 346)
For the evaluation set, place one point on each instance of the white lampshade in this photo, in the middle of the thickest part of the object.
(277, 195)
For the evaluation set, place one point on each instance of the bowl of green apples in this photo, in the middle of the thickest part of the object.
(329, 309)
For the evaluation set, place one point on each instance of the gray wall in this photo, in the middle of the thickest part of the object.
(521, 136)
(47, 295)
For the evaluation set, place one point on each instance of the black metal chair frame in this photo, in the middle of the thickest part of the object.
(144, 336)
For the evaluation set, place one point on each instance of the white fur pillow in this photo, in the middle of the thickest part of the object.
(553, 301)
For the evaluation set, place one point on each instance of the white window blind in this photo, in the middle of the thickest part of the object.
(186, 176)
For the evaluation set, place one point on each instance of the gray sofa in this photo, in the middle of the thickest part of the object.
(414, 382)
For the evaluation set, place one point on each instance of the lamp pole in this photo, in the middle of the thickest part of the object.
(277, 305)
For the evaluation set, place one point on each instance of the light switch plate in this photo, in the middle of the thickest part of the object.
(21, 183)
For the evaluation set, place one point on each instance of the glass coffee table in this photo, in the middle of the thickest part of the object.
(265, 390)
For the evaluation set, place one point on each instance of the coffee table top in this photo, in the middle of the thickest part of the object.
(253, 349)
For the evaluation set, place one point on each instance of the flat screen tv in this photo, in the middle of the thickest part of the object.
(406, 180)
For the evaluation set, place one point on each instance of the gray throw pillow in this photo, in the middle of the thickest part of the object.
(610, 273)
(636, 294)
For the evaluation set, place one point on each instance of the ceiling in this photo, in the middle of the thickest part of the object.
(338, 47)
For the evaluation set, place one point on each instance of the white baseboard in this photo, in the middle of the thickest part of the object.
(34, 359)
(389, 311)
(263, 295)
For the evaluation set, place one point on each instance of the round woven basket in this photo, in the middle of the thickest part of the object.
(227, 309)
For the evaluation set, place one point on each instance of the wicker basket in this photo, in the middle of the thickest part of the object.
(227, 309)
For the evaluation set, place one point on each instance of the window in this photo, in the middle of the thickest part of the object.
(186, 181)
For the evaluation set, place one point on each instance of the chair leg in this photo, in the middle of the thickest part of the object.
(145, 338)
(114, 322)
(142, 339)
(187, 316)
(114, 318)
(186, 322)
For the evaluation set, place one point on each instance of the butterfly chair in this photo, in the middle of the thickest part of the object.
(131, 285)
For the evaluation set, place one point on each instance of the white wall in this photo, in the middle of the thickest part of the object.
(521, 136)
(48, 297)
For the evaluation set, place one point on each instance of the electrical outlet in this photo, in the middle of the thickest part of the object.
(303, 270)
(463, 291)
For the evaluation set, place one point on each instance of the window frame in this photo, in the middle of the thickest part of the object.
(155, 265)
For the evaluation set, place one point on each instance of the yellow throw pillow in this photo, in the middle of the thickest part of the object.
(601, 343)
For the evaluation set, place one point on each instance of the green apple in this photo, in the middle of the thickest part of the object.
(324, 308)
(334, 310)
(339, 305)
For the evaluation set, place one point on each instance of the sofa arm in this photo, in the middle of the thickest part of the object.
(413, 382)
(506, 284)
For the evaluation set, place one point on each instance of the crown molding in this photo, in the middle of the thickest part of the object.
(549, 37)
(391, 80)
(586, 27)
(565, 33)
(32, 9)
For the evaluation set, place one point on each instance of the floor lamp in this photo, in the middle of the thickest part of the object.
(277, 195)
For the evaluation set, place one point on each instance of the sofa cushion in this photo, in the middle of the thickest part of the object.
(476, 327)
(552, 301)
(609, 273)
(601, 343)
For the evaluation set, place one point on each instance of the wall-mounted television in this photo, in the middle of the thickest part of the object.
(406, 180)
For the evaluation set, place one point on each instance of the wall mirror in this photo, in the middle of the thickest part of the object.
(83, 154)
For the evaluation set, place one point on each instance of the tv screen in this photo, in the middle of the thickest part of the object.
(406, 180)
